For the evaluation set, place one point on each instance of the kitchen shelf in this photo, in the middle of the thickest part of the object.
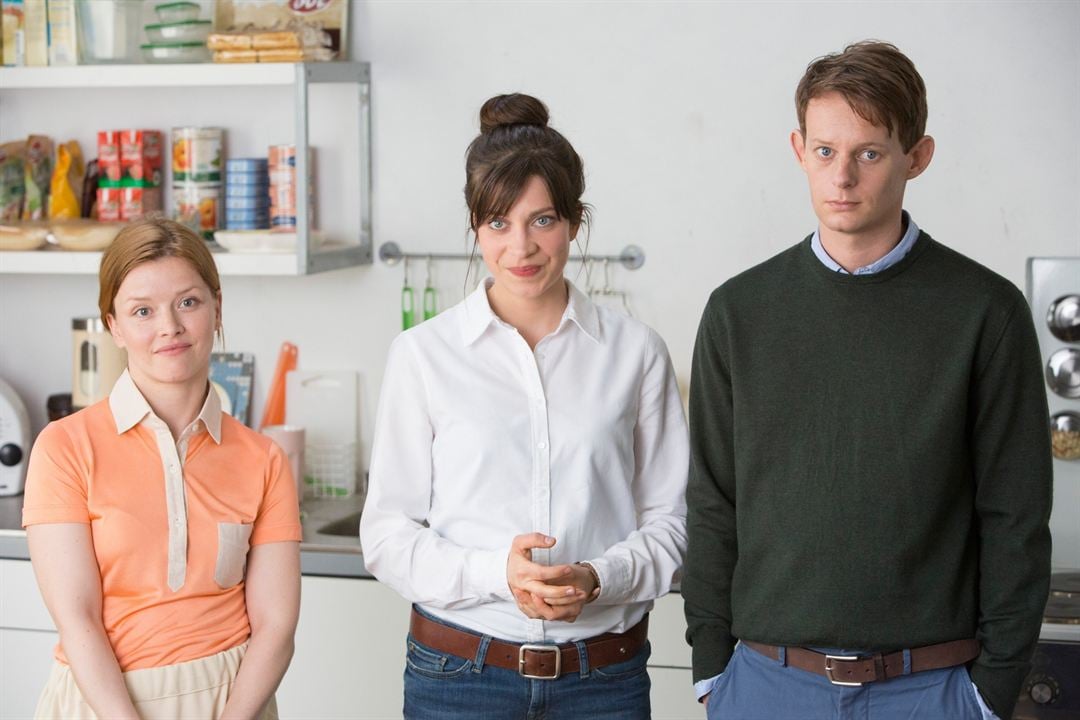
(60, 262)
(298, 77)
(180, 75)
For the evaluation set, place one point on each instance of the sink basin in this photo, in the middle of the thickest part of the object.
(348, 526)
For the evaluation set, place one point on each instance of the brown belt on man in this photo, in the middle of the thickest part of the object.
(530, 660)
(856, 670)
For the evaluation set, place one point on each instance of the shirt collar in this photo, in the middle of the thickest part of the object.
(888, 260)
(479, 316)
(129, 408)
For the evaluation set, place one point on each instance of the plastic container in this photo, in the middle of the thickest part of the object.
(188, 31)
(175, 12)
(175, 53)
(109, 31)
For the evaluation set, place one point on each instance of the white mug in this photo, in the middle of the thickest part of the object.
(290, 438)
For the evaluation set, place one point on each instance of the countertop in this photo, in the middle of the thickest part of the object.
(321, 553)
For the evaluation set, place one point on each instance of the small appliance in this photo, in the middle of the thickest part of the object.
(14, 441)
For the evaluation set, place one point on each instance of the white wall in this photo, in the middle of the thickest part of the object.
(681, 111)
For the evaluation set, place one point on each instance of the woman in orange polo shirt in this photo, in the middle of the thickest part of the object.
(164, 534)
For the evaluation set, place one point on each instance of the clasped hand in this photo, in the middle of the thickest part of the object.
(546, 592)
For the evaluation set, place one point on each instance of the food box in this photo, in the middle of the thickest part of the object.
(141, 156)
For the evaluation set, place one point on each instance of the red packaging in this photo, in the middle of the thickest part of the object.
(140, 155)
(135, 202)
(108, 148)
(108, 203)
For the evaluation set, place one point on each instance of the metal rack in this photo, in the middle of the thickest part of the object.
(632, 257)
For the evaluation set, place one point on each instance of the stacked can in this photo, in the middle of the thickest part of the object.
(247, 194)
(282, 170)
(197, 190)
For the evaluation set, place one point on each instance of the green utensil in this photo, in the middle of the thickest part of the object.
(408, 301)
(429, 295)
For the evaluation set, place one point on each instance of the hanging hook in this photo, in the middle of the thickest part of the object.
(408, 301)
(607, 277)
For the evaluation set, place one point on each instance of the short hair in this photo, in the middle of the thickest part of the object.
(144, 241)
(878, 81)
(515, 144)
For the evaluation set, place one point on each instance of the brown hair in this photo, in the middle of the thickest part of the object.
(878, 81)
(147, 240)
(515, 143)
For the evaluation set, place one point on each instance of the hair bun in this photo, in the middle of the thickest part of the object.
(514, 109)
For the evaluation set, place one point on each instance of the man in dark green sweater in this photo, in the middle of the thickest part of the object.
(870, 483)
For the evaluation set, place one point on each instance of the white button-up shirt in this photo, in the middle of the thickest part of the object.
(478, 438)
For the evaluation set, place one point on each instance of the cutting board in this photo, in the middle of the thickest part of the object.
(323, 402)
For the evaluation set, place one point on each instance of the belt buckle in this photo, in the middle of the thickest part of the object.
(539, 648)
(829, 669)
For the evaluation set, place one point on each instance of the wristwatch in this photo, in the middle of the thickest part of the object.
(596, 579)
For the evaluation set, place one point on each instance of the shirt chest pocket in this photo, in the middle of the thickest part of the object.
(232, 553)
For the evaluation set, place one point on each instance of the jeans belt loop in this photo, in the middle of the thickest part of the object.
(782, 656)
(583, 658)
(481, 654)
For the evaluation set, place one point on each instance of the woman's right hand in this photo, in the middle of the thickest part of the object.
(529, 581)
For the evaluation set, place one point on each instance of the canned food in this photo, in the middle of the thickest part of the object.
(282, 174)
(248, 191)
(262, 216)
(246, 178)
(246, 165)
(197, 154)
(199, 206)
(262, 202)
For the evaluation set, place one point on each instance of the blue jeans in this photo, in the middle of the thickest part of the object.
(441, 686)
(756, 687)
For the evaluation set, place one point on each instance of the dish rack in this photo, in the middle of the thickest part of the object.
(330, 470)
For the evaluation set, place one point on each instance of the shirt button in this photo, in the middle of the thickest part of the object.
(541, 445)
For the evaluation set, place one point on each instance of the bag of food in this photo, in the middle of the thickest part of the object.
(306, 17)
(39, 166)
(12, 180)
(67, 179)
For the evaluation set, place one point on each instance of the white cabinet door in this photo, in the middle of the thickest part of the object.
(350, 652)
(27, 639)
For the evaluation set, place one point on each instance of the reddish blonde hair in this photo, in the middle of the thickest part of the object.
(145, 241)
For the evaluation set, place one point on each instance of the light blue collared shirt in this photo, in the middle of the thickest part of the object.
(888, 260)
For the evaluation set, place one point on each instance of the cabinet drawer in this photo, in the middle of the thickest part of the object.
(21, 605)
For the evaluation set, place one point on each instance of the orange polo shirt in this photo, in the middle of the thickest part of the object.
(171, 520)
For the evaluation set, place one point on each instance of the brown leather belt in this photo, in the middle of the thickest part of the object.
(534, 661)
(855, 670)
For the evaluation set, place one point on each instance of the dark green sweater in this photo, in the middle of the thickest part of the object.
(870, 464)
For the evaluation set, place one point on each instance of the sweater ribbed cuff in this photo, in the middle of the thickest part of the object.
(711, 653)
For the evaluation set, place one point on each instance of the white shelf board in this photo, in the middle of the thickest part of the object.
(59, 262)
(150, 75)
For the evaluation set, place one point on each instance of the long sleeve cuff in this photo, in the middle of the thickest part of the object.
(485, 573)
(615, 580)
(999, 686)
(704, 687)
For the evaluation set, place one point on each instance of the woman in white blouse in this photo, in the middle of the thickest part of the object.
(530, 461)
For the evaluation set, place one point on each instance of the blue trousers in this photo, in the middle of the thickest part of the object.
(440, 686)
(755, 687)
